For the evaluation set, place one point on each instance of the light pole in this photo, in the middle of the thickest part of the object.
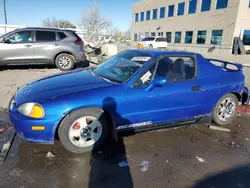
(5, 14)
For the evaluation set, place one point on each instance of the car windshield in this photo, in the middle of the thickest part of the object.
(122, 66)
(6, 34)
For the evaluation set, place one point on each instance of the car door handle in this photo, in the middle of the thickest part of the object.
(28, 45)
(196, 88)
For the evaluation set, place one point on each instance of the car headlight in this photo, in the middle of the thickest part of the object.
(31, 109)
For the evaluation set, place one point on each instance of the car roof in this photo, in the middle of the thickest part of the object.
(45, 29)
(156, 52)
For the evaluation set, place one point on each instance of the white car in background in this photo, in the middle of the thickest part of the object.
(154, 42)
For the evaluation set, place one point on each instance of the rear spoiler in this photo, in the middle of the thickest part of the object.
(225, 63)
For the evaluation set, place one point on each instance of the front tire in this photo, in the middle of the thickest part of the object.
(83, 130)
(65, 62)
(225, 110)
(150, 46)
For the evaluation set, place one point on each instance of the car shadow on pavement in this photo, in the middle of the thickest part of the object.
(109, 166)
(237, 177)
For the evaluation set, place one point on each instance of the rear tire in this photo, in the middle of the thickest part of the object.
(151, 46)
(225, 110)
(65, 62)
(88, 140)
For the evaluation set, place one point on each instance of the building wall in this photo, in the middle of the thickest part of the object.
(210, 20)
(7, 28)
(243, 19)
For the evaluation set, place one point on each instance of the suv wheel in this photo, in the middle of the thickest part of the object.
(65, 62)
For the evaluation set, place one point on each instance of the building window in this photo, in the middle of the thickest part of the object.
(168, 36)
(189, 37)
(181, 7)
(136, 17)
(177, 37)
(162, 12)
(142, 17)
(146, 34)
(171, 11)
(192, 6)
(205, 5)
(201, 37)
(148, 15)
(221, 4)
(216, 36)
(153, 34)
(160, 34)
(154, 14)
(246, 37)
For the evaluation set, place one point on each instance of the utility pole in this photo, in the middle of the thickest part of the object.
(5, 14)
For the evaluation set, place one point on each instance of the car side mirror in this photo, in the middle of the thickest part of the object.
(159, 81)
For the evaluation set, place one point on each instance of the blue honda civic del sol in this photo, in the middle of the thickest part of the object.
(135, 90)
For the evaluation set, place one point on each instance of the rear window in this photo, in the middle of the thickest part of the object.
(161, 39)
(148, 39)
(62, 35)
(45, 36)
(76, 36)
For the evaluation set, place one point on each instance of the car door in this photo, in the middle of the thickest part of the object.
(181, 98)
(17, 48)
(45, 46)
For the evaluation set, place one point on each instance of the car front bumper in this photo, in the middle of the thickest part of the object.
(23, 126)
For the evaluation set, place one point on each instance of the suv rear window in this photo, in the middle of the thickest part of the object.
(62, 35)
(161, 39)
(45, 36)
(148, 39)
(78, 38)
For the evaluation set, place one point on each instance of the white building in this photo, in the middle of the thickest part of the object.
(194, 25)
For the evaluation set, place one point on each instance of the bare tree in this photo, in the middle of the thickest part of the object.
(94, 23)
(57, 23)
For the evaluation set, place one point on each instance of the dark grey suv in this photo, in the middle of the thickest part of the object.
(63, 48)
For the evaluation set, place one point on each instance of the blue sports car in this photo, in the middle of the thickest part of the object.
(135, 90)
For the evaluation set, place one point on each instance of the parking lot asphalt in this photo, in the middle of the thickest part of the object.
(185, 157)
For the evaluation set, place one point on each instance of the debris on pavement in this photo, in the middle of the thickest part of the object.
(166, 161)
(247, 139)
(238, 114)
(1, 129)
(238, 125)
(219, 128)
(15, 172)
(123, 164)
(244, 109)
(144, 166)
(50, 155)
(235, 145)
(6, 146)
(200, 159)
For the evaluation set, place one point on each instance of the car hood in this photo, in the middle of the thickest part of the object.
(59, 85)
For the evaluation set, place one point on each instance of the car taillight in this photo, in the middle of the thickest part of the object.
(78, 42)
